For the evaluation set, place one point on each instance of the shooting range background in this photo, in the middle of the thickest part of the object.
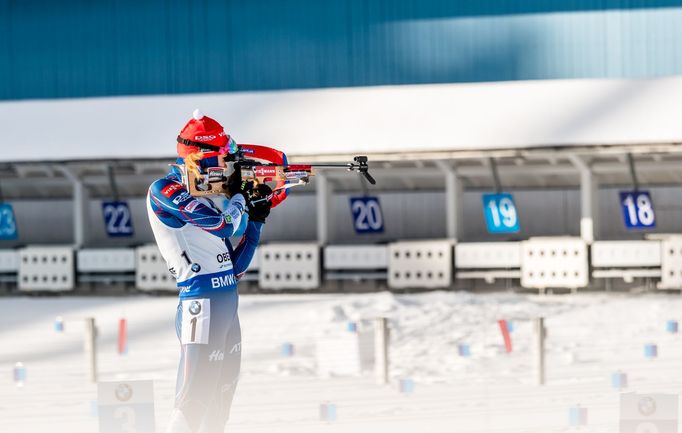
(554, 98)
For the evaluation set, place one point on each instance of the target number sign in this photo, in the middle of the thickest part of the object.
(500, 213)
(367, 215)
(126, 407)
(117, 218)
(648, 413)
(8, 224)
(638, 209)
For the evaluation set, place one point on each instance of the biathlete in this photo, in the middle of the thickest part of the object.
(193, 236)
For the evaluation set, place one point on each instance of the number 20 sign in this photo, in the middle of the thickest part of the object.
(638, 209)
(500, 213)
(367, 215)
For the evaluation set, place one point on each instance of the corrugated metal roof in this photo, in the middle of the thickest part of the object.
(72, 48)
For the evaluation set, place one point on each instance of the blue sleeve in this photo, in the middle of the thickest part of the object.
(243, 254)
(175, 207)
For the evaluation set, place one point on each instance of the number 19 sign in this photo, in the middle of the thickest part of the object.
(638, 209)
(500, 213)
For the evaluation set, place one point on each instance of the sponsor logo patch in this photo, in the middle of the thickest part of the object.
(123, 392)
(169, 190)
(182, 197)
(191, 206)
(263, 171)
(208, 137)
(223, 257)
(225, 280)
(215, 175)
(216, 355)
(296, 174)
(195, 308)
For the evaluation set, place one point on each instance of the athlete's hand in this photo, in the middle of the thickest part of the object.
(237, 186)
(260, 203)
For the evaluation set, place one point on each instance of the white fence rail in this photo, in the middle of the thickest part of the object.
(289, 266)
(488, 261)
(46, 268)
(426, 264)
(560, 262)
(106, 260)
(538, 263)
(626, 259)
(151, 271)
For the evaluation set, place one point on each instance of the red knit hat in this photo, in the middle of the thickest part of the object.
(202, 134)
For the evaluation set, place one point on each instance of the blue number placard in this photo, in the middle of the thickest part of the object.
(500, 213)
(8, 224)
(367, 215)
(117, 218)
(638, 209)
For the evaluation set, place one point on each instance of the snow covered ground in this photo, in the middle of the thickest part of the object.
(590, 336)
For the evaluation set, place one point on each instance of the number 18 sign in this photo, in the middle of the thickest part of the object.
(638, 209)
(500, 213)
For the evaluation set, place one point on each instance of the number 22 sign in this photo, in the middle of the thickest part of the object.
(117, 218)
(500, 213)
(638, 209)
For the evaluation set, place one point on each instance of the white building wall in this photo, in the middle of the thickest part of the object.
(42, 222)
(357, 120)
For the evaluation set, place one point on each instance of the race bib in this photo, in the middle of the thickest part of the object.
(196, 319)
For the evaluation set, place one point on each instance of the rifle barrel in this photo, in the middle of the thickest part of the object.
(332, 165)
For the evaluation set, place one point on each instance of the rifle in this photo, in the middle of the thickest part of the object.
(247, 164)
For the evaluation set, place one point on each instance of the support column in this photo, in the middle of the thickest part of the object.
(90, 347)
(381, 350)
(589, 188)
(453, 201)
(540, 335)
(324, 208)
(588, 205)
(80, 208)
